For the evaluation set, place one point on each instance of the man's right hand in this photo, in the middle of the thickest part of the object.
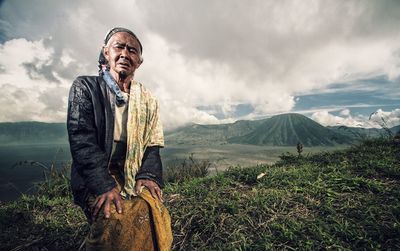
(105, 200)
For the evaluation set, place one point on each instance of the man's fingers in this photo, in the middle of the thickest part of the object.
(138, 185)
(97, 206)
(118, 204)
(152, 186)
(153, 192)
(159, 194)
(107, 209)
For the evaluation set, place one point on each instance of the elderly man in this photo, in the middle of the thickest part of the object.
(115, 134)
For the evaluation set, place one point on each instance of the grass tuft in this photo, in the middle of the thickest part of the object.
(188, 169)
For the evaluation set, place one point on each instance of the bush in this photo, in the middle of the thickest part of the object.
(188, 169)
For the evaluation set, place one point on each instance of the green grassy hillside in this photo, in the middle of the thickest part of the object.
(357, 133)
(210, 134)
(343, 200)
(288, 130)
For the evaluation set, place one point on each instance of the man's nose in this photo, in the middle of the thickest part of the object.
(124, 52)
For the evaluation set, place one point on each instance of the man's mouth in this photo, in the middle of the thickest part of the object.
(124, 64)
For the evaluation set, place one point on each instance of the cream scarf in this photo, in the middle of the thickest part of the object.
(144, 129)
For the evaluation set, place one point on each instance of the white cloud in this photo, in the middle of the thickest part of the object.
(27, 93)
(376, 120)
(66, 58)
(345, 112)
(327, 119)
(17, 51)
(386, 119)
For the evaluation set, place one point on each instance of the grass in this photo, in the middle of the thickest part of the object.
(188, 169)
(348, 199)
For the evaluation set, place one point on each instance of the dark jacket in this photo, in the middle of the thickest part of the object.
(90, 124)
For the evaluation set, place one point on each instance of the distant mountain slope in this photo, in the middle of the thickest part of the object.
(285, 129)
(206, 134)
(395, 130)
(358, 133)
(288, 130)
(33, 132)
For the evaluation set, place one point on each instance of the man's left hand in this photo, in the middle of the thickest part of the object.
(154, 189)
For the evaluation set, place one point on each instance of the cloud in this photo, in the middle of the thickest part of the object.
(327, 119)
(345, 112)
(30, 89)
(34, 72)
(219, 54)
(378, 119)
(295, 44)
(386, 119)
(199, 82)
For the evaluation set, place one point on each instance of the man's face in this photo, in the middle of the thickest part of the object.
(123, 54)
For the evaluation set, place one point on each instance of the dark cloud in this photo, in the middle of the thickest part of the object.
(264, 37)
(34, 19)
(36, 71)
(5, 31)
(57, 25)
(19, 95)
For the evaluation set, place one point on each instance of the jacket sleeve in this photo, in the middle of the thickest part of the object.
(90, 161)
(151, 168)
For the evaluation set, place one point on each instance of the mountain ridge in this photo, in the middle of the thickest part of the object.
(240, 132)
(27, 132)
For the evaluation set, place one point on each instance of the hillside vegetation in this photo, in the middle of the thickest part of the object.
(342, 200)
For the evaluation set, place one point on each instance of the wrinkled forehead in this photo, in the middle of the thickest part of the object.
(124, 38)
(117, 31)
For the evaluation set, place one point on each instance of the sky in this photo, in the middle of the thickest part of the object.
(212, 61)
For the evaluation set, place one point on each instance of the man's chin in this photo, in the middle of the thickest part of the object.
(124, 73)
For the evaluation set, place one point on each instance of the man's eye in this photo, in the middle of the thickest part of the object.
(132, 50)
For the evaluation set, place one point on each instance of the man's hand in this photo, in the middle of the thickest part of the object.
(152, 186)
(107, 198)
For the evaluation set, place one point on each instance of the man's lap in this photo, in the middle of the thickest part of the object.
(131, 230)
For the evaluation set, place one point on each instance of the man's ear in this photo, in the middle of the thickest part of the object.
(139, 64)
(105, 52)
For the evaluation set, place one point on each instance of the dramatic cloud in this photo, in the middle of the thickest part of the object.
(377, 119)
(204, 60)
(29, 87)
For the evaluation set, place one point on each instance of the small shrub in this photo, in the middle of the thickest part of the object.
(290, 159)
(189, 168)
(299, 148)
(56, 183)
